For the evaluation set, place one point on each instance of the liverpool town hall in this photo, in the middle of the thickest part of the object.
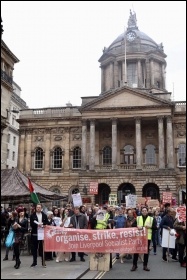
(131, 138)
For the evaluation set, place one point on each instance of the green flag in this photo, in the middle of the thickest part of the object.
(34, 196)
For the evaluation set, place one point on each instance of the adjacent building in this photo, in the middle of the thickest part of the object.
(131, 138)
(11, 103)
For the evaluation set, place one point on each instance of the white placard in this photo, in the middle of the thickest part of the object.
(67, 222)
(168, 240)
(40, 233)
(100, 215)
(57, 221)
(77, 200)
(131, 200)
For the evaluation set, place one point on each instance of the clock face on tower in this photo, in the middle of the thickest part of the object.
(131, 36)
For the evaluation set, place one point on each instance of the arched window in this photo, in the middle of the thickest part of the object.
(38, 163)
(150, 154)
(182, 155)
(56, 202)
(129, 154)
(107, 155)
(57, 158)
(77, 158)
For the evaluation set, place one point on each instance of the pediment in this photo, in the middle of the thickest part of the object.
(125, 98)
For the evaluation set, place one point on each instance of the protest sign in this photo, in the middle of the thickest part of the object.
(123, 240)
(168, 240)
(77, 200)
(93, 187)
(181, 213)
(131, 200)
(166, 197)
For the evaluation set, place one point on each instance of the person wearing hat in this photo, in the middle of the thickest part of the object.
(20, 227)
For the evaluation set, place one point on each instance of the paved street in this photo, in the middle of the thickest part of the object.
(80, 270)
(159, 269)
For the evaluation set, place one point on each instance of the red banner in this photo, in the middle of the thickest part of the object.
(93, 187)
(123, 240)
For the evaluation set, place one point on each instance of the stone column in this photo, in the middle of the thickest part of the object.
(152, 72)
(161, 153)
(92, 145)
(84, 145)
(111, 75)
(28, 163)
(138, 144)
(139, 74)
(115, 74)
(163, 77)
(66, 157)
(170, 154)
(102, 79)
(114, 143)
(47, 149)
(147, 85)
(21, 149)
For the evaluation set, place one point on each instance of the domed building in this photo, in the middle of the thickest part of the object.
(134, 60)
(130, 139)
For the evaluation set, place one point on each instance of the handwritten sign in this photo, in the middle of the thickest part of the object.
(123, 240)
(77, 200)
(93, 187)
(153, 203)
(131, 200)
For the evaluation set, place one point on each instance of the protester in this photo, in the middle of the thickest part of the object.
(20, 227)
(79, 221)
(10, 222)
(180, 228)
(37, 220)
(119, 222)
(50, 222)
(149, 223)
(167, 223)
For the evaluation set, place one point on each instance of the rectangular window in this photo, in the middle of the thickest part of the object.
(8, 138)
(8, 154)
(13, 156)
(13, 120)
(14, 140)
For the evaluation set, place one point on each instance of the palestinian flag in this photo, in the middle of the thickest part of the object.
(34, 196)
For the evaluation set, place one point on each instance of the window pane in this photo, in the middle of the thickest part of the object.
(39, 158)
(150, 154)
(107, 155)
(57, 158)
(182, 155)
(77, 158)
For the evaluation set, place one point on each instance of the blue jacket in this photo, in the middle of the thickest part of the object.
(119, 221)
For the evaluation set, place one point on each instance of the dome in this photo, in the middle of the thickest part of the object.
(144, 39)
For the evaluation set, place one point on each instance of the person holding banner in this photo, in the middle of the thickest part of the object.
(150, 224)
(37, 220)
(180, 227)
(78, 220)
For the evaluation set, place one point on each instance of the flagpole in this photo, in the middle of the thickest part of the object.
(125, 82)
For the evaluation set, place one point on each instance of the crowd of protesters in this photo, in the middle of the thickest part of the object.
(83, 217)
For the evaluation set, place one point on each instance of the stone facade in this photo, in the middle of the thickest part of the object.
(131, 138)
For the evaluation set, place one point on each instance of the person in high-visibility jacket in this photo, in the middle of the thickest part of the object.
(103, 224)
(150, 224)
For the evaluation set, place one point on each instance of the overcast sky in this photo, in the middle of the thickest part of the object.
(59, 44)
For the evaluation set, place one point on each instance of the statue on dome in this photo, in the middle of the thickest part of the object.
(132, 20)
